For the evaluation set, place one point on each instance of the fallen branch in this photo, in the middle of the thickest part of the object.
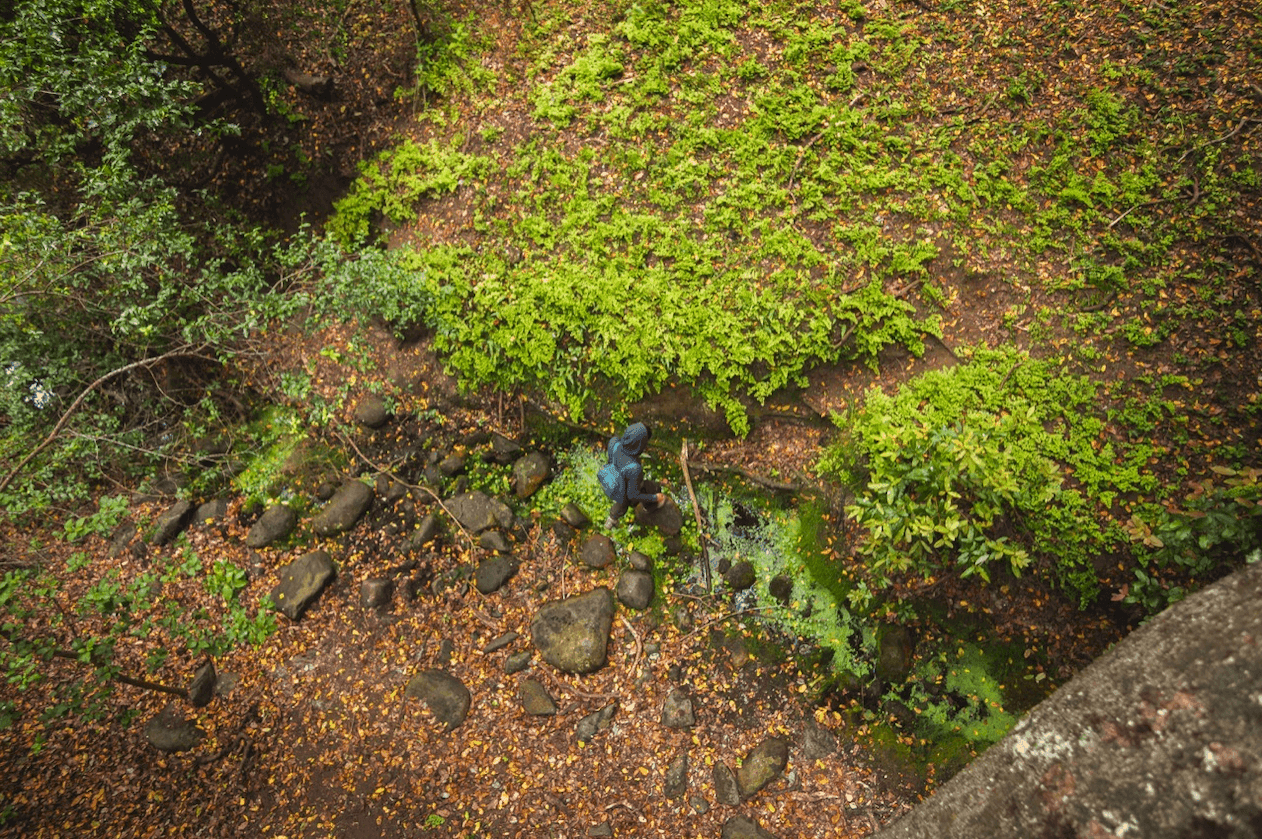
(779, 486)
(639, 648)
(1243, 121)
(183, 352)
(696, 512)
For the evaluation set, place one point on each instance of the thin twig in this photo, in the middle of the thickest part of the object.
(639, 648)
(1224, 138)
(404, 483)
(696, 512)
(183, 352)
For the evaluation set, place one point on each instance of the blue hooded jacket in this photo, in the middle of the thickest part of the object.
(626, 457)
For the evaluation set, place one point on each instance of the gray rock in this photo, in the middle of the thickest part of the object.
(202, 689)
(677, 710)
(781, 588)
(122, 538)
(740, 827)
(169, 731)
(597, 551)
(676, 782)
(574, 516)
(210, 511)
(493, 573)
(894, 653)
(762, 765)
(573, 634)
(445, 696)
(600, 831)
(535, 699)
(371, 411)
(592, 724)
(740, 576)
(170, 523)
(517, 662)
(635, 589)
(699, 805)
(666, 518)
(817, 742)
(495, 540)
(301, 582)
(277, 522)
(641, 562)
(425, 531)
(1161, 737)
(529, 473)
(477, 512)
(451, 465)
(375, 593)
(500, 642)
(504, 450)
(725, 789)
(343, 510)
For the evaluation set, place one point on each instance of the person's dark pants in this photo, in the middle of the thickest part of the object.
(619, 509)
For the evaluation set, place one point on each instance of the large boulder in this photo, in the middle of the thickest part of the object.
(301, 582)
(573, 634)
(529, 473)
(667, 518)
(171, 522)
(476, 511)
(1161, 737)
(762, 765)
(635, 589)
(351, 501)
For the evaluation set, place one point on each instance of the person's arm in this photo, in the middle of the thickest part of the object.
(634, 494)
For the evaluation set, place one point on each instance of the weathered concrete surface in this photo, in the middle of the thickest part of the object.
(1159, 738)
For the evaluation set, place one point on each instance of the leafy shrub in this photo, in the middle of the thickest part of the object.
(970, 466)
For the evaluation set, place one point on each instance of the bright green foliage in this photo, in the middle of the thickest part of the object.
(964, 674)
(994, 461)
(393, 183)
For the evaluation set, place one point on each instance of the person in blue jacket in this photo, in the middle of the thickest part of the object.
(624, 483)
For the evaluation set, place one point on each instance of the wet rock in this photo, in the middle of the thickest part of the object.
(641, 562)
(635, 589)
(495, 540)
(500, 642)
(170, 523)
(535, 699)
(740, 827)
(169, 731)
(277, 522)
(451, 465)
(371, 412)
(725, 789)
(894, 653)
(676, 782)
(573, 634)
(517, 662)
(504, 450)
(375, 593)
(667, 518)
(529, 473)
(301, 582)
(445, 696)
(476, 511)
(740, 576)
(202, 689)
(574, 516)
(817, 742)
(677, 710)
(781, 588)
(597, 551)
(494, 573)
(344, 509)
(592, 724)
(425, 531)
(211, 511)
(762, 765)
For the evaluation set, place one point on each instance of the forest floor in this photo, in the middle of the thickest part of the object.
(315, 739)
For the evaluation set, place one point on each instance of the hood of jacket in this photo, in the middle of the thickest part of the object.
(635, 438)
